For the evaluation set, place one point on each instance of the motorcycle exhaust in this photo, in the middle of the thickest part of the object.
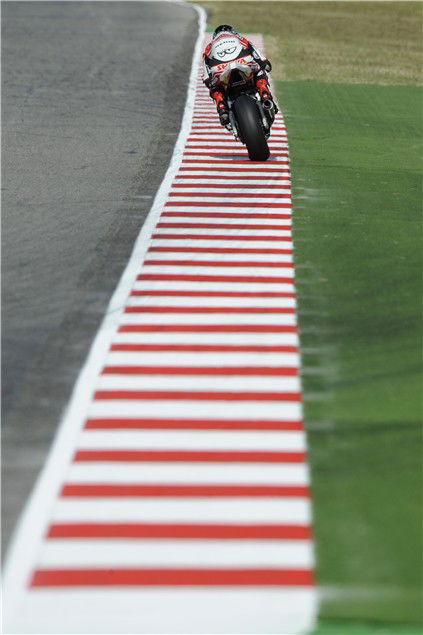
(268, 110)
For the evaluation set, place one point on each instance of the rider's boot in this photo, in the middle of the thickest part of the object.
(223, 112)
(222, 107)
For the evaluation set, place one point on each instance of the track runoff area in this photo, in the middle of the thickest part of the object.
(176, 496)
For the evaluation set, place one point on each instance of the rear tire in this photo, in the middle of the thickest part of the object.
(250, 128)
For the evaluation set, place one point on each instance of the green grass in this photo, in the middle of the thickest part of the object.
(377, 42)
(338, 627)
(355, 155)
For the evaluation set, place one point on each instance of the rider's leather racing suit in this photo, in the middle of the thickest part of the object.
(225, 48)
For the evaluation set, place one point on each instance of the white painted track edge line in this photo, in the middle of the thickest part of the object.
(31, 525)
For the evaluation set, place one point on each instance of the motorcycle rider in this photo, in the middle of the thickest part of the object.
(228, 45)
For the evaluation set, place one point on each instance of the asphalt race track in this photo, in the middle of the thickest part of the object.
(93, 95)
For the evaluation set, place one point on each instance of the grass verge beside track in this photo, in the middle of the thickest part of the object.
(378, 42)
(355, 155)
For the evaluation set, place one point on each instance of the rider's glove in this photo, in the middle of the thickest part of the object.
(264, 64)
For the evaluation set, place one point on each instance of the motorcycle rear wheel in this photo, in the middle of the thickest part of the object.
(251, 128)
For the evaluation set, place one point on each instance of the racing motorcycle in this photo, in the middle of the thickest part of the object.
(250, 118)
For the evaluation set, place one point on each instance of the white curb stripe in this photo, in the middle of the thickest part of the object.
(186, 473)
(200, 510)
(191, 359)
(199, 439)
(164, 553)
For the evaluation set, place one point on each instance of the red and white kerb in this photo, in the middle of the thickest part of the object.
(179, 500)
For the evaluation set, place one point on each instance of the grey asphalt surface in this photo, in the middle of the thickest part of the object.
(93, 95)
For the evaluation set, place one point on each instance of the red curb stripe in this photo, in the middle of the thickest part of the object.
(207, 121)
(182, 491)
(270, 371)
(255, 186)
(205, 138)
(231, 194)
(215, 294)
(214, 171)
(219, 226)
(227, 161)
(210, 137)
(239, 215)
(224, 162)
(246, 226)
(187, 456)
(136, 423)
(179, 531)
(207, 128)
(206, 173)
(228, 140)
(111, 577)
(194, 395)
(232, 152)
